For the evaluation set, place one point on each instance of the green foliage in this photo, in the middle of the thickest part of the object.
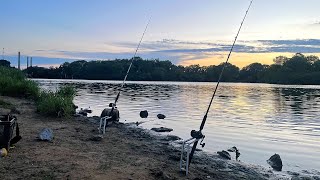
(14, 83)
(67, 91)
(58, 103)
(284, 70)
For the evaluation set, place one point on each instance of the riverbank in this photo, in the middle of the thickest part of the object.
(125, 152)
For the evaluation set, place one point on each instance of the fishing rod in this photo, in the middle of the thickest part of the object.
(108, 114)
(134, 56)
(197, 135)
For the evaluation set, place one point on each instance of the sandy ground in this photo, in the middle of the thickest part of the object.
(124, 153)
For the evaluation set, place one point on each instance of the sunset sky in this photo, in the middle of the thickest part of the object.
(182, 31)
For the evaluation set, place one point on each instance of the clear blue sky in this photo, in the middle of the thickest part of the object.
(185, 32)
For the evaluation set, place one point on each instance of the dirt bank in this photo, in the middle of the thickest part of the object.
(124, 153)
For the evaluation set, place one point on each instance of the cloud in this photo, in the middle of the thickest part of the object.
(180, 52)
(315, 23)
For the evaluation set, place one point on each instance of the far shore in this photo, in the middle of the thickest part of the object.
(125, 152)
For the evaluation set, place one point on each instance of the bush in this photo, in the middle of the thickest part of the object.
(14, 83)
(56, 104)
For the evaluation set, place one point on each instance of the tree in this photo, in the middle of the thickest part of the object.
(4, 63)
(252, 72)
(280, 60)
(312, 59)
(298, 63)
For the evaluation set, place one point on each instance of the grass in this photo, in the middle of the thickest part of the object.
(13, 83)
(57, 104)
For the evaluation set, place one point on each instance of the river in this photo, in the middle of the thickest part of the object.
(259, 119)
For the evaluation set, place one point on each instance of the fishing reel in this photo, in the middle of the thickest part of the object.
(198, 135)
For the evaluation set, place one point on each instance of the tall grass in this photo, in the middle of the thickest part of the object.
(57, 104)
(14, 83)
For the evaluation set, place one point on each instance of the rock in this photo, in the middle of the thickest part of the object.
(161, 116)
(293, 173)
(224, 154)
(115, 114)
(144, 114)
(85, 111)
(46, 135)
(162, 129)
(236, 150)
(96, 138)
(275, 162)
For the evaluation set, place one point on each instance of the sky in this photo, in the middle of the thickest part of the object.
(183, 31)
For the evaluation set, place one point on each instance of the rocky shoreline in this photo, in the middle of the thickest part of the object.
(125, 152)
(170, 145)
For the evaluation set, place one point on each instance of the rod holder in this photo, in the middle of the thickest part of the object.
(103, 122)
(185, 150)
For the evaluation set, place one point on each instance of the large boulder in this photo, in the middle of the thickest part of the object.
(275, 162)
(144, 114)
(107, 112)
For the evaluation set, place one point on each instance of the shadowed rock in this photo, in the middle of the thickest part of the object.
(275, 162)
(144, 114)
(224, 154)
(162, 129)
(236, 150)
(161, 116)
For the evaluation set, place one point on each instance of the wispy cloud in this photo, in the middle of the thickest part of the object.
(180, 52)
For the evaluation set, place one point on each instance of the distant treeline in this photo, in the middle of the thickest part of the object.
(298, 69)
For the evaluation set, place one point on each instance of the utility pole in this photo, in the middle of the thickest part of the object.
(27, 62)
(3, 53)
(19, 60)
(30, 61)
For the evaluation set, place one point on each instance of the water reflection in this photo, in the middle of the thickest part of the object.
(260, 119)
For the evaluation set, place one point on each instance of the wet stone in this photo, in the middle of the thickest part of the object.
(144, 114)
(275, 162)
(161, 116)
(162, 129)
(224, 154)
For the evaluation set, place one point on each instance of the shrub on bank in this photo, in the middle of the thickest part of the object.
(56, 104)
(13, 83)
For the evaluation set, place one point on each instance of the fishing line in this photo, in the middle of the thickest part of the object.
(134, 56)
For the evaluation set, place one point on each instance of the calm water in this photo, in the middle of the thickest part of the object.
(260, 119)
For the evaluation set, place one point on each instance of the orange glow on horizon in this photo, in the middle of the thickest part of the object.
(240, 59)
